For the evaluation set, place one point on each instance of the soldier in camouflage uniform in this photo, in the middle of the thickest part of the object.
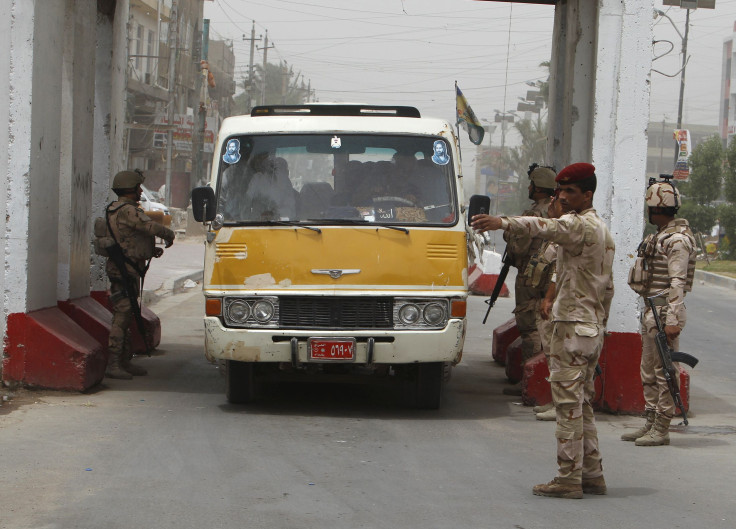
(135, 233)
(579, 314)
(520, 250)
(541, 272)
(665, 265)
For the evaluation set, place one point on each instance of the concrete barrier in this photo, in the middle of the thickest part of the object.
(503, 335)
(482, 284)
(618, 388)
(151, 323)
(514, 363)
(47, 349)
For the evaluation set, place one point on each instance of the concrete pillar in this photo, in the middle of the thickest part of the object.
(102, 137)
(75, 187)
(34, 126)
(599, 110)
(624, 60)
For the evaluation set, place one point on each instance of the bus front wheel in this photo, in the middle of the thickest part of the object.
(240, 383)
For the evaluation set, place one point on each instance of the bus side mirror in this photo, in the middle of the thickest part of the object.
(203, 204)
(479, 204)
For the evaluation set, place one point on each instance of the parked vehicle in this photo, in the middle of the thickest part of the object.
(149, 203)
(336, 246)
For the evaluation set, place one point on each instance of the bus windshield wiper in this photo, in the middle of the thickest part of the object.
(348, 222)
(295, 223)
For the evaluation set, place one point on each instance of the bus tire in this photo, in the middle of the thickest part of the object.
(240, 386)
(429, 383)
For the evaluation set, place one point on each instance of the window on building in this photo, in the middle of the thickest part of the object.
(138, 47)
(149, 52)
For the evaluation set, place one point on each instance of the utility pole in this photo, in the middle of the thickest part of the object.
(173, 23)
(682, 73)
(252, 40)
(199, 127)
(265, 61)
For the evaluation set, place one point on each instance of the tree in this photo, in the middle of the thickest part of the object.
(729, 174)
(706, 171)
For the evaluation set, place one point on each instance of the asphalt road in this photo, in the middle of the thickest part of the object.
(167, 450)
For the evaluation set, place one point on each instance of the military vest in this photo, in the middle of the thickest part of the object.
(541, 267)
(650, 274)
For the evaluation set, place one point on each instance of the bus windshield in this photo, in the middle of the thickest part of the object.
(336, 178)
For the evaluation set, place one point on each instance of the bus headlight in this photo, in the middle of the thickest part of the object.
(238, 311)
(421, 313)
(434, 314)
(409, 314)
(263, 311)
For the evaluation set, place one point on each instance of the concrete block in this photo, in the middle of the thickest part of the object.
(151, 322)
(47, 349)
(91, 316)
(514, 363)
(503, 335)
(482, 284)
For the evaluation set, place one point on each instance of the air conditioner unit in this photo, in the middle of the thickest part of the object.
(159, 140)
(691, 4)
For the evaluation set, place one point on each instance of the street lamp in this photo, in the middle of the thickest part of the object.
(503, 118)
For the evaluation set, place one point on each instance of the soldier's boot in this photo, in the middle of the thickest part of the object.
(658, 435)
(114, 369)
(549, 415)
(555, 489)
(633, 436)
(541, 409)
(595, 486)
(130, 367)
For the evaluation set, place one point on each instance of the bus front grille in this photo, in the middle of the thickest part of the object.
(311, 312)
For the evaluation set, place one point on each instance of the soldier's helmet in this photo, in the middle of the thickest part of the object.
(543, 177)
(662, 195)
(127, 179)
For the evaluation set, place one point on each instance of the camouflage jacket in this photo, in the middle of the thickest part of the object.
(135, 232)
(584, 262)
(521, 248)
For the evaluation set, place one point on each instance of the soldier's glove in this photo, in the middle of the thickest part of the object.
(158, 251)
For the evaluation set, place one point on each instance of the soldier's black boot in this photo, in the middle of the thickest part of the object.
(114, 369)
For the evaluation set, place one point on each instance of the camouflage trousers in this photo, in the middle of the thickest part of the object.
(118, 342)
(657, 395)
(574, 352)
(544, 327)
(525, 313)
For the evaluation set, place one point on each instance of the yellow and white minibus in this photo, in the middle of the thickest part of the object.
(335, 246)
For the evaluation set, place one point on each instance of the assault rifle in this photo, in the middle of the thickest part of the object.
(667, 355)
(499, 284)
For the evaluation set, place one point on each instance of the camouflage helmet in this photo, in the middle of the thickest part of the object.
(127, 179)
(543, 177)
(662, 195)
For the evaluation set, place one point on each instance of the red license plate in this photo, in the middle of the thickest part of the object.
(322, 349)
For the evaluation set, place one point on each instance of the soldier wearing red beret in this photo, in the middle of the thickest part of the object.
(579, 316)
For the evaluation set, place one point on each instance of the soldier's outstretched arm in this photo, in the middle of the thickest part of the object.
(139, 221)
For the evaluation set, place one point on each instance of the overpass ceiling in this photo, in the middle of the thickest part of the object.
(547, 2)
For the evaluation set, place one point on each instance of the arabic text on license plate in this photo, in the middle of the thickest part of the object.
(332, 350)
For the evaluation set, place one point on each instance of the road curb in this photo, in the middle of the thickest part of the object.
(715, 279)
(171, 286)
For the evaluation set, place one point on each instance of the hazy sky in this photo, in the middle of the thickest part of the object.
(412, 51)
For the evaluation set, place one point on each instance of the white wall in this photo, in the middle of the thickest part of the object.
(5, 40)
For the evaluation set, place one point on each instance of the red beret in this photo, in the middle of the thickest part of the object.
(575, 173)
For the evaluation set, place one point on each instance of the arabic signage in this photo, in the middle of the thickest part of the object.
(183, 127)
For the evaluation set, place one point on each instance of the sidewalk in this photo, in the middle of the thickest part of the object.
(182, 262)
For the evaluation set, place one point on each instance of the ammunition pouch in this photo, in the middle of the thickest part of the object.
(639, 276)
